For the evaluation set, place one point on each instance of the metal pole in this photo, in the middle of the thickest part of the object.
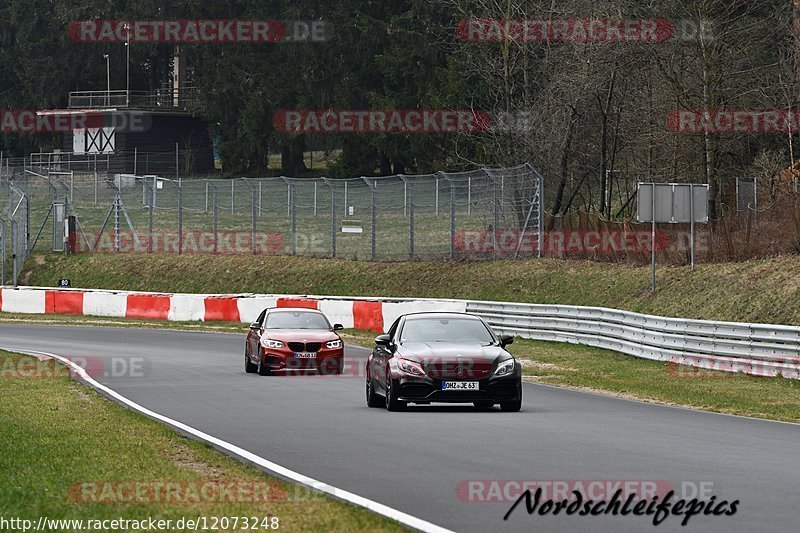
(411, 223)
(150, 216)
(374, 218)
(315, 198)
(437, 196)
(691, 221)
(206, 210)
(2, 249)
(405, 199)
(95, 179)
(288, 200)
(260, 198)
(333, 221)
(232, 194)
(135, 157)
(14, 246)
(541, 217)
(345, 199)
(216, 236)
(294, 222)
(180, 219)
(469, 195)
(254, 204)
(653, 239)
(452, 220)
(177, 165)
(116, 223)
(496, 218)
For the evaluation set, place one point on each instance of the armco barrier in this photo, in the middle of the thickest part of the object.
(757, 349)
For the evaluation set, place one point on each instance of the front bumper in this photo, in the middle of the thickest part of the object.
(492, 389)
(327, 361)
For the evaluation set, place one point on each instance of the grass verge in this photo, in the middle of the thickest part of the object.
(753, 291)
(64, 447)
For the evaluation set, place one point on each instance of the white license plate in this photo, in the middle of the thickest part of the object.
(305, 355)
(459, 385)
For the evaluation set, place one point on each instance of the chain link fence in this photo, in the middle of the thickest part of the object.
(14, 231)
(478, 214)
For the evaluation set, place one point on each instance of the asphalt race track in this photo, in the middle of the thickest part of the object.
(413, 461)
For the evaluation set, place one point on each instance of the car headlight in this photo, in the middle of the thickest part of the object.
(334, 344)
(410, 367)
(272, 344)
(505, 368)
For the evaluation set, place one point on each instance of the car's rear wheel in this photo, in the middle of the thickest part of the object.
(393, 402)
(483, 405)
(373, 400)
(513, 406)
(262, 368)
(249, 366)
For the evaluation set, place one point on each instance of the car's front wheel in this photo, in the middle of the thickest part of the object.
(373, 400)
(513, 406)
(249, 366)
(393, 402)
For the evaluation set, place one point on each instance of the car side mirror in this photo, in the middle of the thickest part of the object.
(383, 340)
(255, 325)
(505, 340)
(338, 327)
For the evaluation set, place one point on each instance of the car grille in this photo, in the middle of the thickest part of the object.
(462, 369)
(305, 347)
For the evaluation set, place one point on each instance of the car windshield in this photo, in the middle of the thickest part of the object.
(445, 329)
(296, 320)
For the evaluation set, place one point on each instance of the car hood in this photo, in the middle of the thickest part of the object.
(446, 360)
(300, 335)
(428, 352)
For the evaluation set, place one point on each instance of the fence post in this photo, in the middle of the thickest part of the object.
(410, 197)
(254, 205)
(496, 216)
(95, 179)
(2, 249)
(294, 219)
(215, 221)
(180, 218)
(152, 203)
(452, 220)
(541, 216)
(116, 221)
(14, 246)
(374, 195)
(333, 220)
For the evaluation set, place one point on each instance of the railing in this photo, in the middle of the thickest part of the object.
(158, 99)
(757, 349)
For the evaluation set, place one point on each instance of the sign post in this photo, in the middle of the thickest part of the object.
(672, 203)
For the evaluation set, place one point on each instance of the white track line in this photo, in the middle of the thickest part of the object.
(379, 508)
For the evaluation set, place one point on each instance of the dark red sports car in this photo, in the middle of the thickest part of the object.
(293, 339)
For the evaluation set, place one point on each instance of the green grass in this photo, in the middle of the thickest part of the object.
(754, 291)
(58, 433)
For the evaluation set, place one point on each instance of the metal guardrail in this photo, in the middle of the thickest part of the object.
(757, 349)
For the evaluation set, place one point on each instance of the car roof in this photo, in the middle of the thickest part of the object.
(292, 309)
(440, 314)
